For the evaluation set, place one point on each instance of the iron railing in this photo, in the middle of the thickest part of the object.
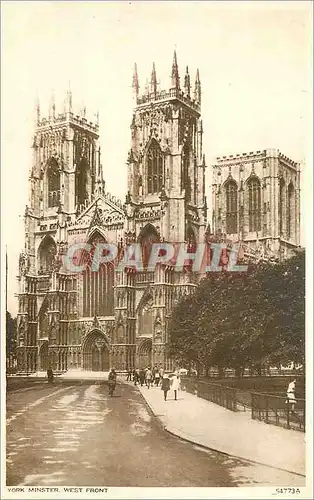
(275, 410)
(218, 394)
(266, 407)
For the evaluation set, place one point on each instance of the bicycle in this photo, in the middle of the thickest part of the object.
(112, 387)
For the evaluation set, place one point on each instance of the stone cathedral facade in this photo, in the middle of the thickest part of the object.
(97, 320)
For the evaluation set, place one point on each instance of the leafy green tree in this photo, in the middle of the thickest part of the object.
(242, 320)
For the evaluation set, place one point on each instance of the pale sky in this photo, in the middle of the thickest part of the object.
(255, 68)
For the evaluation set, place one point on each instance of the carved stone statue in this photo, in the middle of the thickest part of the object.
(96, 322)
(23, 263)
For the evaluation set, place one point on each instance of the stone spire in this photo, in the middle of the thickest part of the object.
(37, 107)
(187, 83)
(175, 79)
(147, 87)
(135, 83)
(153, 81)
(197, 89)
(68, 105)
(99, 181)
(52, 107)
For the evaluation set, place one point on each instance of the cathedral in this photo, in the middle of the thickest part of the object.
(97, 320)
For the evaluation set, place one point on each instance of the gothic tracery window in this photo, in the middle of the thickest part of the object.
(43, 320)
(155, 174)
(185, 177)
(47, 252)
(98, 292)
(254, 189)
(290, 211)
(147, 238)
(146, 317)
(53, 181)
(231, 207)
(81, 182)
(281, 206)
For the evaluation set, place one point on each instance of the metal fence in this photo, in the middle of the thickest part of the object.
(275, 410)
(218, 394)
(266, 407)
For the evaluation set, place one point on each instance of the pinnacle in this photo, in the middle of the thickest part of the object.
(175, 72)
(135, 84)
(175, 58)
(154, 73)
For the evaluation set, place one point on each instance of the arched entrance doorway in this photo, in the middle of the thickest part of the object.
(96, 352)
(43, 357)
(145, 353)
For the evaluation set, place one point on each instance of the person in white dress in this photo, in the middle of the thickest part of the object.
(291, 395)
(175, 385)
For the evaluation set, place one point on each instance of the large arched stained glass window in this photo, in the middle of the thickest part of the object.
(81, 182)
(98, 291)
(254, 189)
(155, 168)
(53, 181)
(231, 207)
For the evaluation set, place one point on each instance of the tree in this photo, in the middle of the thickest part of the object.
(239, 320)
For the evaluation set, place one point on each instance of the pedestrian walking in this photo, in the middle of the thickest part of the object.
(165, 386)
(112, 381)
(175, 385)
(161, 372)
(157, 378)
(291, 395)
(136, 376)
(50, 375)
(148, 377)
(155, 370)
(142, 377)
(129, 375)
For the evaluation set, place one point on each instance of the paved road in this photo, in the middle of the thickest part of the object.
(72, 433)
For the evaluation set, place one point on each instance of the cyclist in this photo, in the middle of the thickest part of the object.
(50, 375)
(112, 381)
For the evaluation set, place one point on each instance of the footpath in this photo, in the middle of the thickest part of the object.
(234, 433)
